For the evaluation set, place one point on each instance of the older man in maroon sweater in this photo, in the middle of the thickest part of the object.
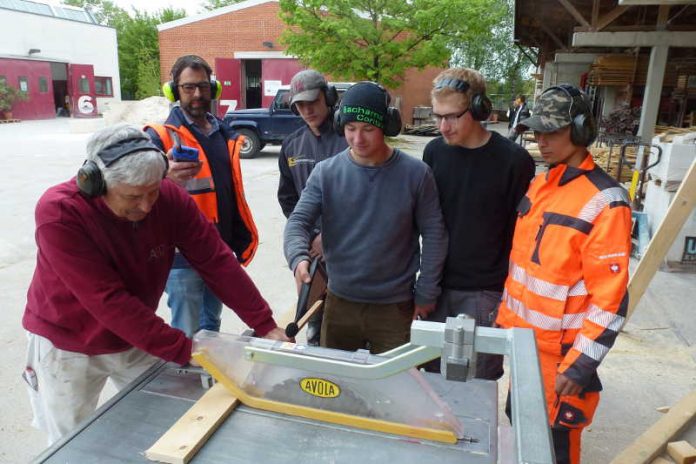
(106, 241)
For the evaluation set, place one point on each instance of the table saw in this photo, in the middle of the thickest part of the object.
(360, 407)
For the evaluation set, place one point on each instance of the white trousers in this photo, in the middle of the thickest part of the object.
(64, 386)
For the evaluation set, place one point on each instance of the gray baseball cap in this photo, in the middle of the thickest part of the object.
(551, 111)
(306, 85)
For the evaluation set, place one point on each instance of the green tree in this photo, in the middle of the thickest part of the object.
(505, 67)
(138, 48)
(380, 39)
(209, 5)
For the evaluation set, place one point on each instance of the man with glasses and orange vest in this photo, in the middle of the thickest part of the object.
(214, 181)
(569, 264)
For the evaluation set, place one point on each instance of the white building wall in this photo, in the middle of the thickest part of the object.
(61, 40)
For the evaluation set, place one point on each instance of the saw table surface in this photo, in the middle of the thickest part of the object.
(123, 428)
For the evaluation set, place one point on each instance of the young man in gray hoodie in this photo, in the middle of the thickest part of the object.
(375, 203)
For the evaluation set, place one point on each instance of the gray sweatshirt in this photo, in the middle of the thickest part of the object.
(372, 219)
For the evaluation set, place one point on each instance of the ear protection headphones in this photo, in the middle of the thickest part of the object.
(171, 90)
(392, 120)
(583, 129)
(90, 179)
(480, 105)
(330, 96)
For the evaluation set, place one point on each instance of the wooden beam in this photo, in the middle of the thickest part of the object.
(533, 60)
(182, 441)
(553, 36)
(678, 212)
(662, 17)
(574, 13)
(608, 18)
(595, 13)
(654, 440)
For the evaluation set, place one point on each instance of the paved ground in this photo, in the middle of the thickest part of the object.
(652, 365)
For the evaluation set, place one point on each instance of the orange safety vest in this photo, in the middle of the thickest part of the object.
(568, 272)
(202, 186)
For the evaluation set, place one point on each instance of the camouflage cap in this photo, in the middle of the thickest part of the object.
(551, 111)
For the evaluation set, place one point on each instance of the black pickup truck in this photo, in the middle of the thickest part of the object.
(262, 126)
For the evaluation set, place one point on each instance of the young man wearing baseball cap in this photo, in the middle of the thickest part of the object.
(375, 203)
(313, 99)
(569, 264)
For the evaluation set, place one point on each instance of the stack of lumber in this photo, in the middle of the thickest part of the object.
(667, 133)
(618, 70)
(608, 159)
(423, 130)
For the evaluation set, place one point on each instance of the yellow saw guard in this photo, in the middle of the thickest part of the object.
(402, 404)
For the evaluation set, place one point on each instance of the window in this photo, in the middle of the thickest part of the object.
(43, 84)
(23, 84)
(83, 84)
(103, 87)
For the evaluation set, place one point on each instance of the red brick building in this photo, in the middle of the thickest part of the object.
(242, 44)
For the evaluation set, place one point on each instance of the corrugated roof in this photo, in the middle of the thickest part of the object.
(44, 9)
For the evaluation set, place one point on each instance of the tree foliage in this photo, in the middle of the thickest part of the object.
(380, 39)
(209, 5)
(505, 66)
(138, 48)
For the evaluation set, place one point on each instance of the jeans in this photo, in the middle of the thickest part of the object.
(194, 306)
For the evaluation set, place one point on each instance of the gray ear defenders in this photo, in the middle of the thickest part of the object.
(330, 95)
(583, 130)
(90, 179)
(480, 105)
(392, 123)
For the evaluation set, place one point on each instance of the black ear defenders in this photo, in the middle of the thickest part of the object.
(330, 96)
(583, 129)
(392, 120)
(480, 105)
(171, 90)
(90, 179)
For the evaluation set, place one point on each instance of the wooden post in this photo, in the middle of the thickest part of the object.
(677, 214)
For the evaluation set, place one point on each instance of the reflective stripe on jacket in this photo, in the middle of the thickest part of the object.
(569, 266)
(202, 186)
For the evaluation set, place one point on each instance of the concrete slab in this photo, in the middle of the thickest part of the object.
(653, 364)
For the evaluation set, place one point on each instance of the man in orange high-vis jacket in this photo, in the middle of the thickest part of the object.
(569, 264)
(214, 183)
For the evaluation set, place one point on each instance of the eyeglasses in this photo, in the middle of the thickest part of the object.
(448, 118)
(190, 87)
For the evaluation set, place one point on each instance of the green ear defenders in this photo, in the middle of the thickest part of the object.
(480, 105)
(90, 179)
(171, 91)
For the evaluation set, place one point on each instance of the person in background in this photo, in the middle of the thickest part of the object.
(313, 99)
(214, 183)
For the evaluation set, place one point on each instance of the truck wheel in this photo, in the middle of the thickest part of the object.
(251, 146)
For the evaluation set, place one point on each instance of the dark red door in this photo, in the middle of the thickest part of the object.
(228, 71)
(83, 98)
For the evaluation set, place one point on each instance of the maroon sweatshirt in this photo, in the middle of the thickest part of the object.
(99, 278)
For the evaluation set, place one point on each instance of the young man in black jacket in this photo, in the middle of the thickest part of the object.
(481, 177)
(313, 99)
